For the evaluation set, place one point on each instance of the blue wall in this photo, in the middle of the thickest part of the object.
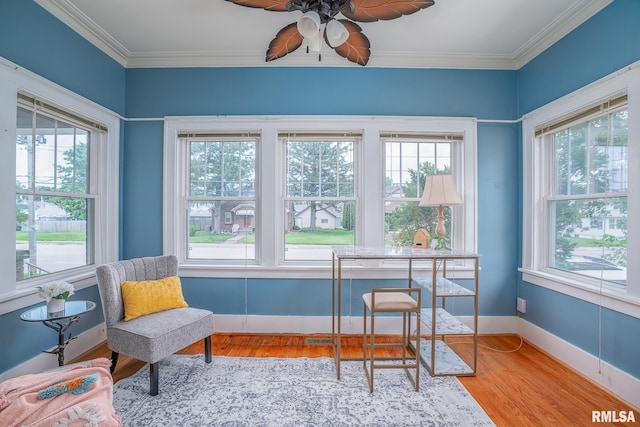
(153, 93)
(69, 60)
(37, 41)
(606, 43)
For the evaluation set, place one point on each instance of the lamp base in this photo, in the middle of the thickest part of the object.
(440, 230)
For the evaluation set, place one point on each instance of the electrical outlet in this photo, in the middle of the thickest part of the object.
(521, 305)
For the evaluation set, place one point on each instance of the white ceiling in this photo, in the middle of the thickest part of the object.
(484, 34)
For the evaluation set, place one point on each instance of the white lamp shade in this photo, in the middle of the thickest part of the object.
(314, 43)
(336, 33)
(440, 190)
(309, 24)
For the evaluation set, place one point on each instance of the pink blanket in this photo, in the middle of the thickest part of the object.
(79, 396)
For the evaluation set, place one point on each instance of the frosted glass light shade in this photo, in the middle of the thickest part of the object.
(336, 33)
(309, 24)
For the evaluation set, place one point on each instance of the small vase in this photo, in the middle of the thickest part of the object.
(55, 306)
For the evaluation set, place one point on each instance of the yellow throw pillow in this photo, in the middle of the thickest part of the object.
(151, 296)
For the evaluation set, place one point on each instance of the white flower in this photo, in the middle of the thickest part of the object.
(58, 290)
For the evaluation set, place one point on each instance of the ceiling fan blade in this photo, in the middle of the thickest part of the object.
(273, 5)
(357, 47)
(374, 10)
(286, 41)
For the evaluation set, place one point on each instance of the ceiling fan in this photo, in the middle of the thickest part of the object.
(319, 22)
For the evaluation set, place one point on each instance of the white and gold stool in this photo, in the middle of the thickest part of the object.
(392, 300)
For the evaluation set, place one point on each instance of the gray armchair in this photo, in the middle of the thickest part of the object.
(152, 337)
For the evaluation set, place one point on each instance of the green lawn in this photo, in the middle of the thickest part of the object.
(596, 243)
(71, 236)
(206, 237)
(303, 237)
(320, 237)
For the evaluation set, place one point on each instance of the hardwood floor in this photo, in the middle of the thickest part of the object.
(525, 387)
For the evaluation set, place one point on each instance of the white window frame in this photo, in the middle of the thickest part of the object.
(535, 166)
(352, 136)
(370, 169)
(459, 238)
(103, 166)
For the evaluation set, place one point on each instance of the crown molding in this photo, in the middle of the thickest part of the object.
(573, 17)
(329, 59)
(579, 12)
(83, 25)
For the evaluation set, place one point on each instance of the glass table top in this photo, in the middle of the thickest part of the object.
(71, 308)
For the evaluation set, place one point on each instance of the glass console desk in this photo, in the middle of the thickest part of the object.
(438, 358)
(60, 322)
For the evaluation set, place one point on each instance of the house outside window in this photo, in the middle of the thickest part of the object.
(221, 198)
(579, 191)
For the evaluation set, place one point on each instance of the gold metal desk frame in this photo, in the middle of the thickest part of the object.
(408, 253)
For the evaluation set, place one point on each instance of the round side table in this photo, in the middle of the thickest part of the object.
(60, 322)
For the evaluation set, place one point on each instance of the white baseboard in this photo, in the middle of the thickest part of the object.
(613, 379)
(349, 324)
(44, 361)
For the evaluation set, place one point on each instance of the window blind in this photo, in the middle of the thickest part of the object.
(40, 105)
(424, 136)
(219, 135)
(319, 134)
(607, 106)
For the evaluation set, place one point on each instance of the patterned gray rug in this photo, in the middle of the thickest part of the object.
(290, 392)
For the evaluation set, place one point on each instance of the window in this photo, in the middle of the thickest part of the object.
(320, 194)
(66, 192)
(221, 200)
(315, 182)
(588, 183)
(54, 203)
(579, 192)
(409, 159)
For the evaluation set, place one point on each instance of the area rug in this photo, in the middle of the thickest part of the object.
(235, 391)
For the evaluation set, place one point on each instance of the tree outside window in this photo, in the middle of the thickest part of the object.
(409, 162)
(588, 206)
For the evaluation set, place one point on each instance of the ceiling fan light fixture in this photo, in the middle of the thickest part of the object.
(309, 24)
(336, 33)
(318, 23)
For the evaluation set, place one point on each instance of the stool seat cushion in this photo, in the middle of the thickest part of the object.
(390, 301)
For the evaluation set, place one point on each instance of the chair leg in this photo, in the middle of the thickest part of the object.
(114, 361)
(207, 349)
(153, 379)
(372, 346)
(417, 350)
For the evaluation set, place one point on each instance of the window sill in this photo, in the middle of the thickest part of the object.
(306, 271)
(613, 299)
(24, 297)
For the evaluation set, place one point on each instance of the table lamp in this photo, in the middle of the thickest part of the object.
(440, 191)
